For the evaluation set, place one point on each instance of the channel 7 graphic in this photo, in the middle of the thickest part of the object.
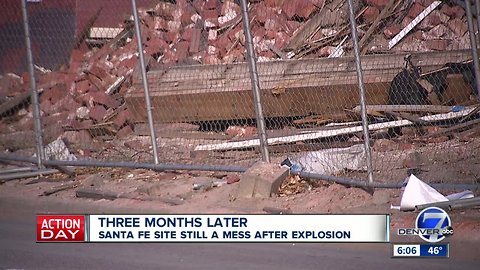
(432, 225)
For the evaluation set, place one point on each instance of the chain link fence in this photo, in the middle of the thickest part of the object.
(417, 76)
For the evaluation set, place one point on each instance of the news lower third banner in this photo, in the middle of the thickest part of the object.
(234, 228)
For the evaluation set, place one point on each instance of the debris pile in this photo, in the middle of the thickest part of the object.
(84, 99)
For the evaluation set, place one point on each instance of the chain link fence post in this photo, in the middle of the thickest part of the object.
(145, 82)
(34, 94)
(361, 87)
(262, 134)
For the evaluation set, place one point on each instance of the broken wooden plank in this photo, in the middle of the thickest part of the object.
(414, 23)
(59, 188)
(410, 117)
(454, 128)
(407, 108)
(10, 104)
(328, 133)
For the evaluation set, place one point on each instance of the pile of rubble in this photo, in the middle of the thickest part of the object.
(85, 97)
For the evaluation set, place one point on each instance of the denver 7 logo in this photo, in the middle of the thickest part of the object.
(438, 221)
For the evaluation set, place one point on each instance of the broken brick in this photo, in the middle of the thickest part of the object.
(97, 113)
(53, 94)
(370, 14)
(305, 9)
(211, 4)
(392, 31)
(377, 3)
(415, 10)
(165, 10)
(104, 99)
(437, 44)
(124, 132)
(121, 119)
(458, 27)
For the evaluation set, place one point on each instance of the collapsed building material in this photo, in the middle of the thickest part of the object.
(322, 86)
(328, 133)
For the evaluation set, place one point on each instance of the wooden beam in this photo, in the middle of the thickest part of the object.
(289, 87)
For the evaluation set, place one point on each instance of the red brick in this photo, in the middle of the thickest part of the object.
(160, 24)
(53, 94)
(229, 5)
(170, 57)
(67, 103)
(210, 14)
(171, 37)
(281, 40)
(268, 54)
(51, 79)
(55, 119)
(46, 106)
(420, 35)
(187, 34)
(262, 12)
(124, 132)
(174, 26)
(305, 9)
(290, 8)
(458, 27)
(182, 49)
(425, 3)
(458, 11)
(188, 12)
(437, 44)
(392, 31)
(377, 3)
(129, 63)
(211, 4)
(430, 21)
(154, 46)
(258, 31)
(97, 113)
(439, 31)
(232, 178)
(95, 81)
(82, 87)
(370, 14)
(274, 3)
(121, 119)
(415, 10)
(406, 21)
(447, 10)
(165, 10)
(104, 99)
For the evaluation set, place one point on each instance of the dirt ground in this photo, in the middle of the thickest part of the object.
(451, 161)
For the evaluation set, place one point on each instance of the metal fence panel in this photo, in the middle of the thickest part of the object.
(92, 95)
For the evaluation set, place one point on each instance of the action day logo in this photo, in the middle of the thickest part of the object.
(432, 225)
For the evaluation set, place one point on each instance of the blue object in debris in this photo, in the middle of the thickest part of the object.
(458, 108)
(294, 167)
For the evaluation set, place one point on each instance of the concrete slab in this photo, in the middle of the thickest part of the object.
(261, 180)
